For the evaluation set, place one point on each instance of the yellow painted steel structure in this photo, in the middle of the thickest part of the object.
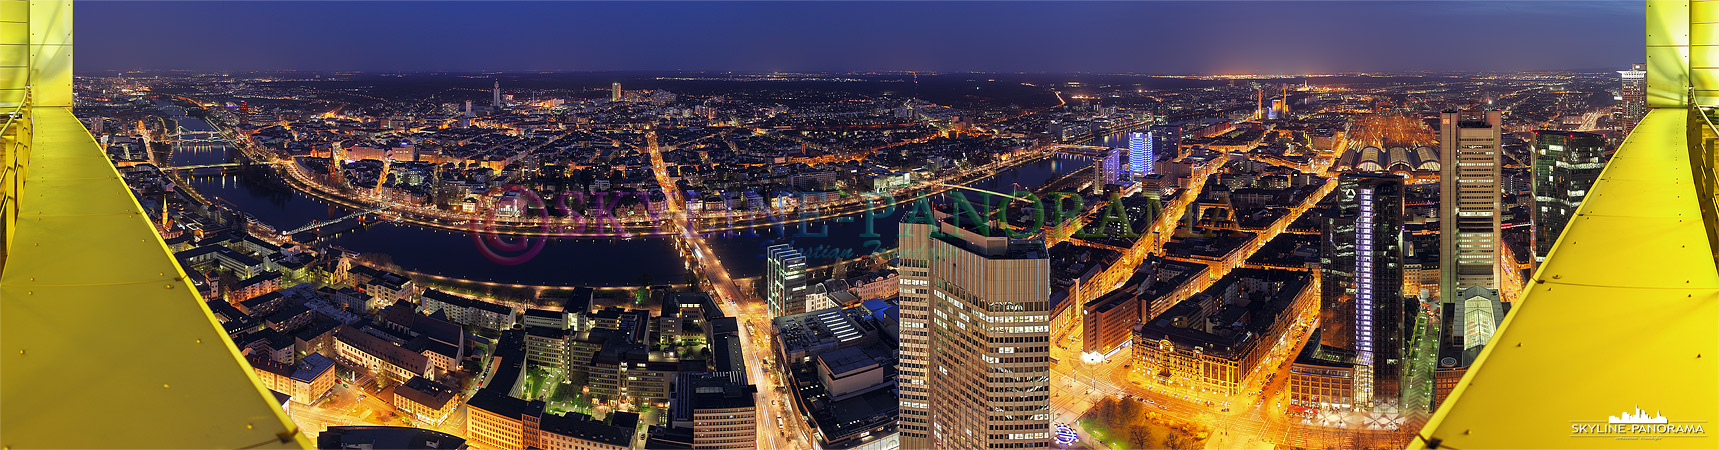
(103, 341)
(1625, 311)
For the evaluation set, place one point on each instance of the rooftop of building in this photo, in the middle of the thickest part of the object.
(850, 417)
(1221, 323)
(379, 437)
(383, 348)
(1215, 246)
(726, 354)
(311, 366)
(545, 314)
(817, 328)
(1168, 275)
(425, 392)
(676, 438)
(498, 403)
(846, 360)
(1315, 354)
(694, 391)
(701, 300)
(464, 302)
(583, 427)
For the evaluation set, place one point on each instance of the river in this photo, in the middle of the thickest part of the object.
(580, 261)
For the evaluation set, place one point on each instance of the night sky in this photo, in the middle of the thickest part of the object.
(1111, 37)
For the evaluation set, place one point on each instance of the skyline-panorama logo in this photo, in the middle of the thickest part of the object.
(1637, 425)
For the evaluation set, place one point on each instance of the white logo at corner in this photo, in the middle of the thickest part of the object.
(1637, 425)
(1639, 417)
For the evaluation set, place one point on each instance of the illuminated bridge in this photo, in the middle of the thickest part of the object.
(215, 165)
(327, 222)
(1624, 313)
(201, 166)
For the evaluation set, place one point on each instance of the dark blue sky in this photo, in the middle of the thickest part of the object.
(1139, 37)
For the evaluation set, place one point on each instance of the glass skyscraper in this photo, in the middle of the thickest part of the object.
(1140, 153)
(1566, 163)
(786, 278)
(1634, 93)
(1362, 306)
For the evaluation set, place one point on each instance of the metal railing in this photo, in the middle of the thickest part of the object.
(15, 154)
(1704, 158)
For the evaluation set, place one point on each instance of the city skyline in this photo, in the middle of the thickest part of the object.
(1120, 37)
(862, 226)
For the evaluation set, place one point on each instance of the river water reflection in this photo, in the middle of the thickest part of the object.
(581, 261)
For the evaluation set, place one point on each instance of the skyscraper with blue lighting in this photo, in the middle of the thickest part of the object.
(1363, 312)
(1140, 153)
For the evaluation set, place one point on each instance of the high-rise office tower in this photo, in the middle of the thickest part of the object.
(615, 91)
(1362, 307)
(1140, 153)
(975, 332)
(495, 94)
(1109, 170)
(466, 122)
(1566, 163)
(786, 280)
(1469, 151)
(1634, 93)
(1162, 140)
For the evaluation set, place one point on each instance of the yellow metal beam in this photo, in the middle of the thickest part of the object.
(1704, 51)
(50, 67)
(1624, 313)
(1667, 53)
(103, 341)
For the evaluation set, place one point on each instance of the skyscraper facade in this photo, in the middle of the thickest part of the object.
(495, 95)
(1162, 140)
(615, 91)
(1109, 170)
(1362, 308)
(1140, 153)
(1566, 163)
(975, 337)
(1469, 206)
(1634, 93)
(785, 275)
